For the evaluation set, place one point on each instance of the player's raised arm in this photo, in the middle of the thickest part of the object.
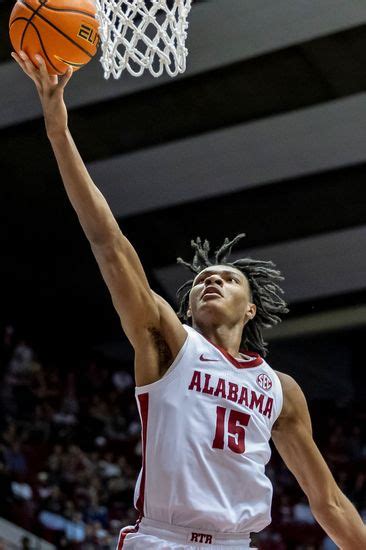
(91, 208)
(139, 309)
(292, 435)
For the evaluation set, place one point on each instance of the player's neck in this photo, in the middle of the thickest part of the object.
(227, 338)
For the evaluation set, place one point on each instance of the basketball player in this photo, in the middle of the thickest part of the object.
(208, 407)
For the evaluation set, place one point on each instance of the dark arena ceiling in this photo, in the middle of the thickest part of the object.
(265, 134)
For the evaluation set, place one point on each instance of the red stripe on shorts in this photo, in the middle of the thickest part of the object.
(144, 408)
(124, 532)
(122, 536)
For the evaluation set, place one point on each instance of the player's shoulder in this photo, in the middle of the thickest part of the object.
(288, 382)
(293, 396)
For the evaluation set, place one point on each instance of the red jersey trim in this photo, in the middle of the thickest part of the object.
(256, 361)
(144, 407)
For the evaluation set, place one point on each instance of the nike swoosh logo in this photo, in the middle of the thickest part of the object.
(203, 358)
(70, 63)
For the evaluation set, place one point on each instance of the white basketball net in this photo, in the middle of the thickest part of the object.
(143, 34)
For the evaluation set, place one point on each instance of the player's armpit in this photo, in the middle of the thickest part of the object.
(292, 436)
(171, 328)
(155, 355)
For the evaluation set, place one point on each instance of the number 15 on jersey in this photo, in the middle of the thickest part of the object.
(232, 423)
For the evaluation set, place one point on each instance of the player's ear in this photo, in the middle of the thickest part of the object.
(189, 312)
(251, 311)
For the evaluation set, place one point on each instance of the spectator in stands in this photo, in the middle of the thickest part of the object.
(25, 543)
(286, 510)
(15, 459)
(122, 381)
(75, 529)
(20, 363)
(55, 502)
(5, 488)
(302, 512)
(95, 512)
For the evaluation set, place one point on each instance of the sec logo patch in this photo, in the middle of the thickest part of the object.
(264, 382)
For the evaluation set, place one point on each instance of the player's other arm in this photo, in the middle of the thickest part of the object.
(292, 436)
(148, 321)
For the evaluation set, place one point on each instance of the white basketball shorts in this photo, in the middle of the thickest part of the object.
(154, 535)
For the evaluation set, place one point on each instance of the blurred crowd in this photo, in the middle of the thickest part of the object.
(69, 447)
(341, 436)
(70, 453)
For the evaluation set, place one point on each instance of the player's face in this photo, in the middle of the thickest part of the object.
(221, 294)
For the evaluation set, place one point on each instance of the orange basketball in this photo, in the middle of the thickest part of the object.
(64, 32)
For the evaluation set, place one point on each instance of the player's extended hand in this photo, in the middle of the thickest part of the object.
(50, 90)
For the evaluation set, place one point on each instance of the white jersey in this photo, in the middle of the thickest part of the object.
(206, 427)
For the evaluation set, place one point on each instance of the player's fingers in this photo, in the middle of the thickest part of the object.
(48, 81)
(42, 67)
(16, 57)
(31, 69)
(53, 79)
(19, 60)
(66, 77)
(31, 73)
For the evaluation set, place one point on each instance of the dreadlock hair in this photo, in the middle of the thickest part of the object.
(263, 281)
